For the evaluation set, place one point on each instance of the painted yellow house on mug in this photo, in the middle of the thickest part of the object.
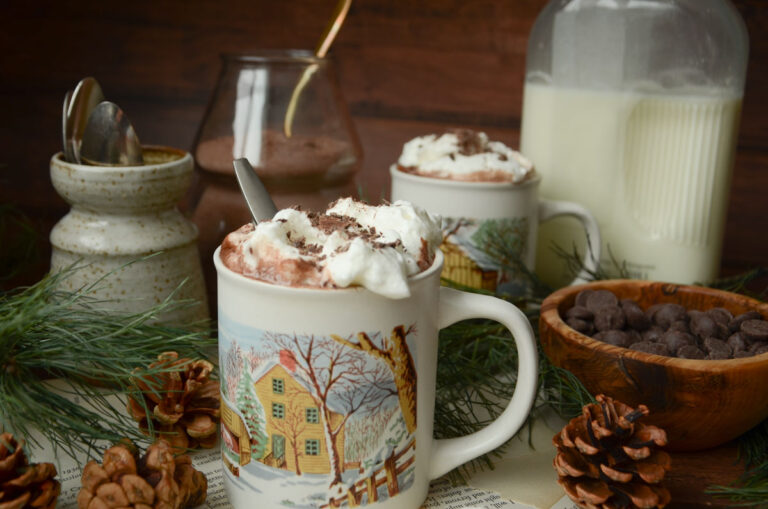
(293, 421)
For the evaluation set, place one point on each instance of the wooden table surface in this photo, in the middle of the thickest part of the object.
(406, 69)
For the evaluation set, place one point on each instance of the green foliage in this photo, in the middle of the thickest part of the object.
(503, 241)
(751, 489)
(253, 412)
(574, 262)
(48, 333)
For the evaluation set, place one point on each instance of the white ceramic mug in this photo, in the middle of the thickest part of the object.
(328, 395)
(473, 211)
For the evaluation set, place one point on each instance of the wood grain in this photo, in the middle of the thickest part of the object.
(406, 68)
(699, 403)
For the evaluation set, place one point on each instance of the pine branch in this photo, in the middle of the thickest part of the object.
(47, 333)
(574, 263)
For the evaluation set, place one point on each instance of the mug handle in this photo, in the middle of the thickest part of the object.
(549, 209)
(454, 306)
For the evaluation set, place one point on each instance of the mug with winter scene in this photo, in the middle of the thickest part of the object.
(328, 395)
(490, 228)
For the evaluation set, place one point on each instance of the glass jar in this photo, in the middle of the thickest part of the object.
(308, 160)
(631, 107)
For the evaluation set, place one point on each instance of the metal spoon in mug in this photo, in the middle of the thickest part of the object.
(84, 99)
(256, 195)
(109, 138)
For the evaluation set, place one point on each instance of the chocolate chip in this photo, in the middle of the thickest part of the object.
(676, 340)
(668, 313)
(690, 352)
(609, 318)
(717, 348)
(737, 342)
(648, 347)
(614, 337)
(599, 299)
(755, 330)
(735, 324)
(653, 334)
(634, 336)
(703, 326)
(582, 326)
(679, 325)
(580, 312)
(720, 315)
(636, 318)
(582, 296)
(668, 328)
(652, 310)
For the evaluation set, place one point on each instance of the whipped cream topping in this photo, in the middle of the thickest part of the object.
(463, 155)
(351, 244)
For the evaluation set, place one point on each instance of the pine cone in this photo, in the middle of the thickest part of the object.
(605, 459)
(157, 480)
(181, 401)
(22, 484)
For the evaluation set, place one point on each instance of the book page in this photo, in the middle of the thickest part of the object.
(442, 494)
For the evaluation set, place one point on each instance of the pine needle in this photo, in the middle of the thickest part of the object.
(48, 333)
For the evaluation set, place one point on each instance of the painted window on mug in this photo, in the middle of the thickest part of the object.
(278, 410)
(278, 385)
(312, 447)
(313, 416)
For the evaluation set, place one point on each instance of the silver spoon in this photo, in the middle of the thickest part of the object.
(256, 195)
(69, 152)
(85, 98)
(109, 138)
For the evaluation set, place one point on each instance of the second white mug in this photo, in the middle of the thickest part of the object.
(484, 222)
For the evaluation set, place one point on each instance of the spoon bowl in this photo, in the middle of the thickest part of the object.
(109, 138)
(84, 99)
(256, 195)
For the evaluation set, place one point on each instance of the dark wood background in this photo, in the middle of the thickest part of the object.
(406, 68)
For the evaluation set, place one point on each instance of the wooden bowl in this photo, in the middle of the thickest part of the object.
(700, 403)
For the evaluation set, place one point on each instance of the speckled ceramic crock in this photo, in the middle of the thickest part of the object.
(121, 214)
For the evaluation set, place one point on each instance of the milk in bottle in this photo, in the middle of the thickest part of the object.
(628, 112)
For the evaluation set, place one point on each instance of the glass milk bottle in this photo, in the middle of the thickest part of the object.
(631, 107)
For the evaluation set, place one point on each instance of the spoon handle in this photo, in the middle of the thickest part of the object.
(339, 15)
(256, 195)
(331, 30)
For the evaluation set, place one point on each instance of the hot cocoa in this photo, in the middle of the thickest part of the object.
(465, 155)
(280, 156)
(350, 244)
